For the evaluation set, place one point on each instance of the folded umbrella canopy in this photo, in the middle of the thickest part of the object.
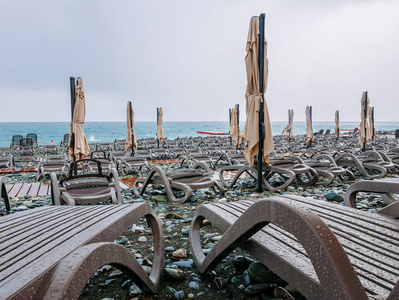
(160, 133)
(234, 127)
(255, 99)
(364, 133)
(130, 135)
(291, 134)
(309, 129)
(370, 126)
(337, 131)
(80, 147)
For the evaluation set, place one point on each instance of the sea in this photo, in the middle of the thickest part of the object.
(99, 132)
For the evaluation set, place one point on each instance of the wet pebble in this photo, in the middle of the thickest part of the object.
(258, 272)
(134, 290)
(259, 288)
(194, 285)
(180, 253)
(279, 292)
(176, 274)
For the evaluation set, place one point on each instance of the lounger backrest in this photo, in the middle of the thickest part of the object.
(26, 142)
(16, 139)
(33, 136)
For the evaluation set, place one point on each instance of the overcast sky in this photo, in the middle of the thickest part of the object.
(188, 57)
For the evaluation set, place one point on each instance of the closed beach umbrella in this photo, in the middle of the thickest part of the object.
(234, 127)
(160, 133)
(291, 134)
(81, 147)
(337, 124)
(364, 133)
(254, 99)
(130, 135)
(309, 129)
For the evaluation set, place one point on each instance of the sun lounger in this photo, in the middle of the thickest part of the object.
(51, 252)
(369, 160)
(284, 177)
(323, 250)
(52, 164)
(26, 147)
(64, 142)
(327, 169)
(127, 164)
(86, 188)
(185, 180)
(33, 137)
(15, 141)
(103, 158)
(6, 162)
(49, 149)
(386, 188)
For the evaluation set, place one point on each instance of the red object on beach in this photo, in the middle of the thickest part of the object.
(213, 132)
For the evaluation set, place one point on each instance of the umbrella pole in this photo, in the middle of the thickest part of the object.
(131, 126)
(365, 123)
(311, 124)
(261, 62)
(238, 122)
(289, 130)
(338, 127)
(372, 123)
(157, 125)
(231, 138)
(73, 100)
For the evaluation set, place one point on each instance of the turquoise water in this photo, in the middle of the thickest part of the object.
(109, 131)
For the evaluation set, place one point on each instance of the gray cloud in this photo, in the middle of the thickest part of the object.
(188, 56)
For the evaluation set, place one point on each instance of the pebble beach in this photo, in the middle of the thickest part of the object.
(239, 276)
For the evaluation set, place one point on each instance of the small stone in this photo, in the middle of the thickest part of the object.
(184, 263)
(259, 288)
(180, 253)
(279, 292)
(334, 197)
(170, 291)
(206, 222)
(106, 268)
(169, 249)
(241, 263)
(194, 285)
(185, 231)
(134, 290)
(142, 239)
(161, 198)
(258, 272)
(216, 238)
(190, 296)
(115, 274)
(126, 284)
(122, 240)
(175, 273)
(179, 295)
(209, 235)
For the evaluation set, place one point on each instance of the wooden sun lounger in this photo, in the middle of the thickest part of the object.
(51, 252)
(323, 250)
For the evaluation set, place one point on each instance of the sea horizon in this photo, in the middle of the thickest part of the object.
(110, 131)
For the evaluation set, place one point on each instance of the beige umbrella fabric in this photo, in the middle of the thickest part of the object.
(370, 125)
(130, 129)
(81, 149)
(309, 129)
(160, 133)
(234, 127)
(254, 99)
(364, 133)
(337, 131)
(290, 130)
